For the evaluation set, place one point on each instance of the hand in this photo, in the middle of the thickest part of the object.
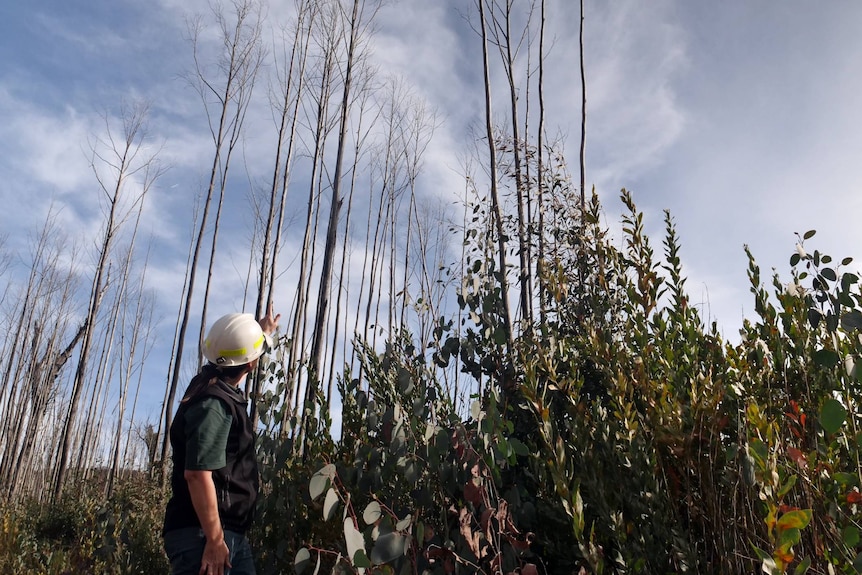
(268, 323)
(216, 557)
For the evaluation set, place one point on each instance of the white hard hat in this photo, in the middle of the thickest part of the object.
(235, 339)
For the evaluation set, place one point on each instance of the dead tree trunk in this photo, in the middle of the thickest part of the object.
(124, 163)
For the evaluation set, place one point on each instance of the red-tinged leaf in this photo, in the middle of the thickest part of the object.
(854, 497)
(797, 519)
(785, 556)
(802, 420)
(798, 457)
(472, 493)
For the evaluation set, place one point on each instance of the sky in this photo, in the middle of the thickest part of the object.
(740, 118)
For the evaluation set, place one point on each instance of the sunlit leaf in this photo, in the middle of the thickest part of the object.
(404, 523)
(797, 519)
(330, 504)
(372, 513)
(354, 540)
(476, 409)
(321, 481)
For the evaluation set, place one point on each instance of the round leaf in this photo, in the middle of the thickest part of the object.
(850, 536)
(301, 561)
(476, 409)
(404, 523)
(832, 415)
(826, 358)
(360, 559)
(321, 481)
(354, 541)
(372, 513)
(389, 547)
(330, 504)
(851, 320)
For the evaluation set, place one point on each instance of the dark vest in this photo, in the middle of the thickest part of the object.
(236, 483)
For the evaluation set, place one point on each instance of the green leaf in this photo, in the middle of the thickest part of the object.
(759, 452)
(846, 261)
(389, 547)
(788, 485)
(330, 505)
(814, 317)
(829, 274)
(832, 415)
(803, 566)
(852, 320)
(789, 537)
(797, 519)
(518, 447)
(809, 234)
(360, 559)
(301, 561)
(794, 259)
(826, 358)
(846, 479)
(850, 535)
(321, 481)
(405, 381)
(372, 513)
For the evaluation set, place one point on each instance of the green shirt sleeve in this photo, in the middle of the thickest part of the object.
(207, 427)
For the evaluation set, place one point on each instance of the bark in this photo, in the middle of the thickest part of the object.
(238, 53)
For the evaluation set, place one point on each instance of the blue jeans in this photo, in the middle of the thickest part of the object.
(185, 547)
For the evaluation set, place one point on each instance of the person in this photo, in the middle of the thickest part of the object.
(215, 479)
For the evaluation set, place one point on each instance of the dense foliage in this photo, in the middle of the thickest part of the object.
(619, 434)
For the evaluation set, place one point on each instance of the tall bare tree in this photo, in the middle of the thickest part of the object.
(125, 169)
(497, 213)
(288, 99)
(230, 86)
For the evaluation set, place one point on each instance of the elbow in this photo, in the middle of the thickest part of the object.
(196, 477)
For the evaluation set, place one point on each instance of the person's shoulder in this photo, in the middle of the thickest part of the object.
(206, 406)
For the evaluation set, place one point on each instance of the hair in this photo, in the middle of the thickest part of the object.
(208, 375)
